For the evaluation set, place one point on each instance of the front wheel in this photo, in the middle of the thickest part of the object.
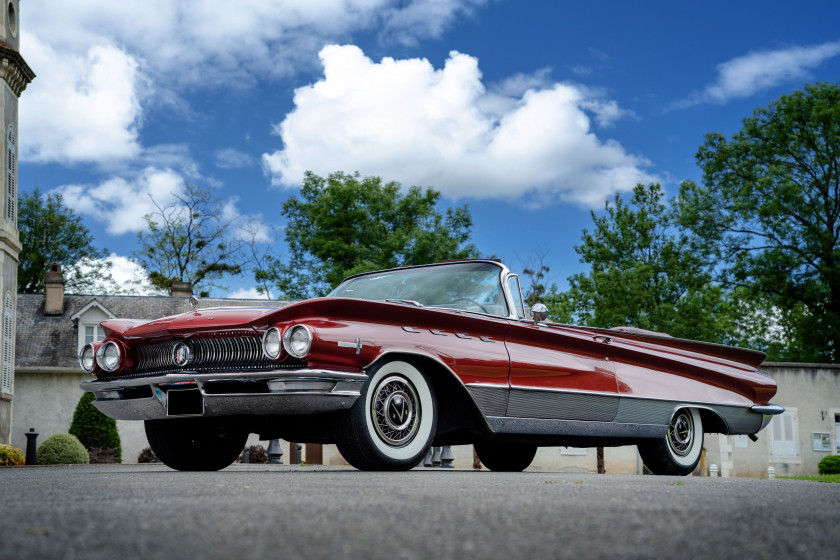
(391, 425)
(679, 451)
(506, 457)
(195, 445)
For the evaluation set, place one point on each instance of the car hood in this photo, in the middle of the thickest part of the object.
(214, 318)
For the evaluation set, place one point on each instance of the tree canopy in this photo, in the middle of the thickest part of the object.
(770, 207)
(643, 274)
(189, 239)
(52, 232)
(345, 224)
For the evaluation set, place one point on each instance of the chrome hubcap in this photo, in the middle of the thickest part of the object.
(395, 411)
(681, 433)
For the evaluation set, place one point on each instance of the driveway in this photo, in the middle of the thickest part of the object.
(118, 512)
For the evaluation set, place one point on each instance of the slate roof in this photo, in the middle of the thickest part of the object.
(52, 341)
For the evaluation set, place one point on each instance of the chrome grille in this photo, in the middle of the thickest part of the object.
(242, 353)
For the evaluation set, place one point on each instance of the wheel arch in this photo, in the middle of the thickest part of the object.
(713, 422)
(458, 413)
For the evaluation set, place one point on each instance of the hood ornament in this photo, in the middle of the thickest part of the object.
(194, 303)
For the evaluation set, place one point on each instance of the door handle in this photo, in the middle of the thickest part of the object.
(605, 338)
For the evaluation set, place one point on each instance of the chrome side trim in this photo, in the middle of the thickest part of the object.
(576, 428)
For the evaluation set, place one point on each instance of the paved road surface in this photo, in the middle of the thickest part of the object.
(120, 512)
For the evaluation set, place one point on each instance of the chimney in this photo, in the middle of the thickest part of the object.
(182, 289)
(54, 290)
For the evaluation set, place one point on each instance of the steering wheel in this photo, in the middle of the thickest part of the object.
(470, 300)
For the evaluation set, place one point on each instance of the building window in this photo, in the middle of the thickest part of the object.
(783, 441)
(8, 342)
(11, 177)
(93, 333)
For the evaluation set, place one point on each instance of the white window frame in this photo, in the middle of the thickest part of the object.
(97, 333)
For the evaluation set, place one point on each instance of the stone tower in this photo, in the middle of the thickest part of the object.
(15, 75)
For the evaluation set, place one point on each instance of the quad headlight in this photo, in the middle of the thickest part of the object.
(87, 357)
(298, 340)
(109, 356)
(272, 343)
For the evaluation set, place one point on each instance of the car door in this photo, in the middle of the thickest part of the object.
(560, 373)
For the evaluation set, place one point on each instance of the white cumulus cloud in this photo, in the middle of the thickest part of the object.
(81, 107)
(746, 75)
(407, 121)
(121, 203)
(99, 63)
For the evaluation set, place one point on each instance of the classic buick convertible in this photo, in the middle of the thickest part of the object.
(392, 362)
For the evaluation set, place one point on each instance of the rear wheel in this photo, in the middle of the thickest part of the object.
(195, 445)
(506, 457)
(391, 425)
(679, 451)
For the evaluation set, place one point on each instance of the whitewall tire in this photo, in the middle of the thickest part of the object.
(392, 424)
(678, 453)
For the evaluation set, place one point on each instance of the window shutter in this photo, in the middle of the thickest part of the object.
(8, 342)
(11, 179)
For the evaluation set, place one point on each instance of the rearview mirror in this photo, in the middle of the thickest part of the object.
(539, 312)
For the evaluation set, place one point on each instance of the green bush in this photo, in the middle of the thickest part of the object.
(94, 429)
(62, 449)
(10, 456)
(829, 465)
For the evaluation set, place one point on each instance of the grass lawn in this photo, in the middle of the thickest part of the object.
(815, 478)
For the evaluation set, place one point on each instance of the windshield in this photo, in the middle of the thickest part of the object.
(468, 286)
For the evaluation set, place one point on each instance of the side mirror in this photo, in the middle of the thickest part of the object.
(539, 312)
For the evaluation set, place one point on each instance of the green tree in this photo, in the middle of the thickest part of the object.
(643, 274)
(770, 205)
(52, 232)
(345, 224)
(190, 239)
(94, 429)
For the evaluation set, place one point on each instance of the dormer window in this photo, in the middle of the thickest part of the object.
(88, 319)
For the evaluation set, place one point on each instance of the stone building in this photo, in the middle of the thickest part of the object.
(16, 75)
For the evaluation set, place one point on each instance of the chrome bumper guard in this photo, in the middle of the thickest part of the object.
(287, 392)
(768, 411)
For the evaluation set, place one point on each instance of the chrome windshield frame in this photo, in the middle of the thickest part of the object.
(503, 276)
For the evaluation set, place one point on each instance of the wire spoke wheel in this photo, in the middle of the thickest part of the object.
(394, 411)
(681, 433)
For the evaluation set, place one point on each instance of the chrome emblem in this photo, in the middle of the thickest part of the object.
(181, 354)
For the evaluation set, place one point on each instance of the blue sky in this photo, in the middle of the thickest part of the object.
(531, 112)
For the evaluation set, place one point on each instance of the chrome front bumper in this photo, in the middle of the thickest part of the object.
(287, 392)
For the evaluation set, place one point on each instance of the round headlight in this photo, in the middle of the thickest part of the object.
(108, 356)
(87, 357)
(272, 343)
(297, 341)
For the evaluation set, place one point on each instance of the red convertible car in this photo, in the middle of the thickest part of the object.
(392, 362)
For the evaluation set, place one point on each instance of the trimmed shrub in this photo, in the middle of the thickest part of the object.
(94, 429)
(146, 456)
(10, 456)
(62, 449)
(829, 465)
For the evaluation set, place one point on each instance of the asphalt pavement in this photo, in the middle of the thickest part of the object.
(121, 512)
